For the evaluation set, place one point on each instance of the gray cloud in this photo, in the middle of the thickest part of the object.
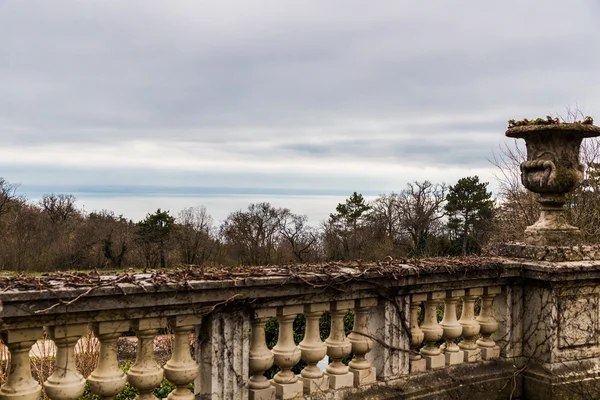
(287, 83)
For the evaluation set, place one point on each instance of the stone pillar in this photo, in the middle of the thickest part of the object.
(66, 383)
(508, 309)
(363, 370)
(224, 356)
(488, 324)
(470, 326)
(145, 374)
(339, 347)
(389, 326)
(452, 328)
(313, 350)
(261, 359)
(181, 369)
(19, 383)
(417, 362)
(108, 380)
(433, 332)
(287, 385)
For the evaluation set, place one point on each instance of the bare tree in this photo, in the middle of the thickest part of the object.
(294, 230)
(252, 235)
(385, 215)
(420, 205)
(8, 195)
(193, 233)
(59, 207)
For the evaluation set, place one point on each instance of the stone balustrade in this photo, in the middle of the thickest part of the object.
(408, 321)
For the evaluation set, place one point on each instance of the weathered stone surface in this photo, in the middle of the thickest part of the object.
(578, 321)
(547, 253)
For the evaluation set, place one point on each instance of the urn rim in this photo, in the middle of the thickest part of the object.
(574, 129)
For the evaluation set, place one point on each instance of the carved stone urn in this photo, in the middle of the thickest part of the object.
(552, 170)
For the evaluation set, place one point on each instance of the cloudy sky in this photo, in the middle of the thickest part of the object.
(134, 105)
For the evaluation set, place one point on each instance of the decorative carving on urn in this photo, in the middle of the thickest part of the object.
(552, 170)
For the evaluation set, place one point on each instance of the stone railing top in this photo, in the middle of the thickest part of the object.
(51, 297)
(548, 253)
(196, 277)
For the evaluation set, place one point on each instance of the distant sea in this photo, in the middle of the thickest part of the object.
(135, 202)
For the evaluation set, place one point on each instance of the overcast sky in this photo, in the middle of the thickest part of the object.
(133, 105)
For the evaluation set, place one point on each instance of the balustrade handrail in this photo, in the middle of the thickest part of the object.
(225, 302)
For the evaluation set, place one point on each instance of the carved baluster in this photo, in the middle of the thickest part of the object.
(66, 382)
(339, 347)
(181, 369)
(417, 362)
(108, 380)
(261, 359)
(488, 324)
(452, 328)
(20, 384)
(145, 374)
(432, 331)
(470, 326)
(287, 385)
(313, 350)
(364, 372)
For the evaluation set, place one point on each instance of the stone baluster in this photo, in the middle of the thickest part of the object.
(19, 383)
(417, 362)
(286, 354)
(488, 324)
(260, 359)
(108, 380)
(181, 369)
(313, 350)
(470, 326)
(339, 347)
(452, 328)
(364, 372)
(432, 332)
(65, 383)
(145, 374)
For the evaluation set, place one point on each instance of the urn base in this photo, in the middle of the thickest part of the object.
(565, 236)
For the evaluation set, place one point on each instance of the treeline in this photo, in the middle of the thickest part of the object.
(424, 219)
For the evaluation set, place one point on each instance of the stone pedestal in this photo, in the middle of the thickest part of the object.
(490, 353)
(471, 356)
(418, 366)
(262, 394)
(340, 381)
(435, 362)
(363, 377)
(454, 358)
(314, 385)
(286, 391)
